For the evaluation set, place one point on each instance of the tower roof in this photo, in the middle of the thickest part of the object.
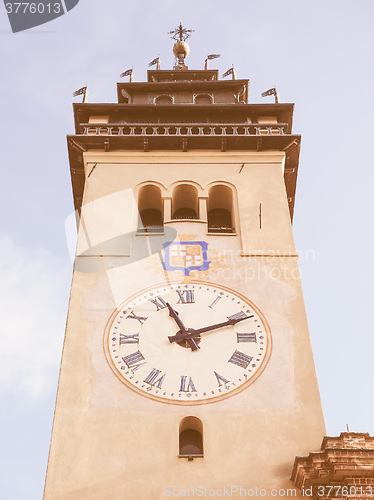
(183, 109)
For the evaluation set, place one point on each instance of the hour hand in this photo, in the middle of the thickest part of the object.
(173, 313)
(185, 335)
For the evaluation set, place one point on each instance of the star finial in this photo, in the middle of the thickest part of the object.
(180, 34)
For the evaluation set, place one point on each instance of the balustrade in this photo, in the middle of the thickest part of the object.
(184, 130)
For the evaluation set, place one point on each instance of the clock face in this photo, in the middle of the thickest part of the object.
(187, 343)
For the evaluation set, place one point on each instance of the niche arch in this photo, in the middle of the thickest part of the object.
(220, 208)
(150, 208)
(191, 438)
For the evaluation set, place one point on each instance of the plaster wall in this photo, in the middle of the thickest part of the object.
(110, 198)
(111, 443)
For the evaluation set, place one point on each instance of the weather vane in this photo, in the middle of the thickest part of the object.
(180, 34)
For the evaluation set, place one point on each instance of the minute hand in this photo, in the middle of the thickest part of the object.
(220, 325)
(190, 333)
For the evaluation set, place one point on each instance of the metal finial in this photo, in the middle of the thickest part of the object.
(156, 61)
(128, 72)
(180, 34)
(272, 91)
(209, 58)
(230, 71)
(82, 91)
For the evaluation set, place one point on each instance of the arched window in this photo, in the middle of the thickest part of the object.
(185, 204)
(191, 438)
(150, 209)
(220, 210)
(203, 99)
(164, 99)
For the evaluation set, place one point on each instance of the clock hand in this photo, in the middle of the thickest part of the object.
(190, 333)
(173, 313)
(221, 325)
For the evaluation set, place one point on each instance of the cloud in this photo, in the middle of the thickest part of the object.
(33, 302)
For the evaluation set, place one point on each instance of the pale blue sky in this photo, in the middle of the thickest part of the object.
(320, 56)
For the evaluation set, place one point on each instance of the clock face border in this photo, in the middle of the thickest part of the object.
(209, 400)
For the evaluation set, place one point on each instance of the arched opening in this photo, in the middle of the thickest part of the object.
(191, 438)
(164, 99)
(203, 99)
(150, 209)
(185, 202)
(220, 210)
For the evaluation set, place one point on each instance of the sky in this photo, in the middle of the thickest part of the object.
(318, 54)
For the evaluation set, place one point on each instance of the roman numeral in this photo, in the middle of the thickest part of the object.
(141, 319)
(239, 315)
(246, 337)
(240, 359)
(215, 302)
(190, 386)
(186, 296)
(129, 339)
(154, 379)
(134, 360)
(158, 302)
(221, 380)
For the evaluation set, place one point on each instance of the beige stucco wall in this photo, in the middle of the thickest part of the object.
(111, 443)
(110, 198)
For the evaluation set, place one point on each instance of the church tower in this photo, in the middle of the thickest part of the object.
(187, 362)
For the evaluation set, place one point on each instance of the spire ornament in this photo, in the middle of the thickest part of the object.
(181, 48)
(180, 34)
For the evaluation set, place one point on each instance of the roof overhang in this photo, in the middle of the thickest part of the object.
(78, 144)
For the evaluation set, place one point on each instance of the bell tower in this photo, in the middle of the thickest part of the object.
(187, 364)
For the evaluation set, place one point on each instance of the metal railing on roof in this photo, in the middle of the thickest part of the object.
(183, 129)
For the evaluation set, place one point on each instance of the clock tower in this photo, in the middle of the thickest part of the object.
(187, 368)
